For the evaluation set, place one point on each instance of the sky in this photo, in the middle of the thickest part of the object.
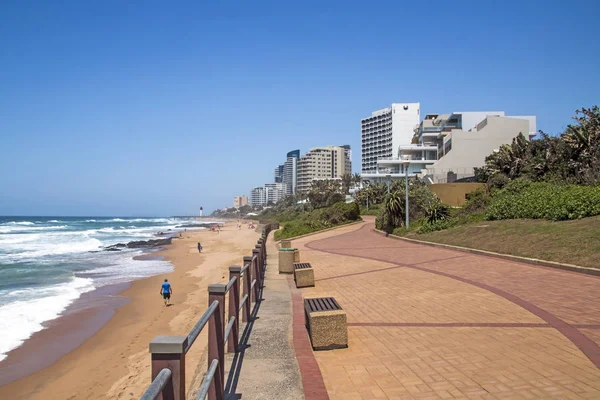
(153, 108)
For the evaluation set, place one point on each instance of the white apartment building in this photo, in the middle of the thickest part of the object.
(329, 162)
(258, 196)
(453, 144)
(275, 192)
(290, 172)
(384, 131)
(269, 193)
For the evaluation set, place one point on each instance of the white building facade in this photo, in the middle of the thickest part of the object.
(384, 131)
(452, 145)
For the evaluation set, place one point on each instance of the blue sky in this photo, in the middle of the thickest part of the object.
(156, 108)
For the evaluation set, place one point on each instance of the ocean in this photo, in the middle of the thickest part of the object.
(47, 263)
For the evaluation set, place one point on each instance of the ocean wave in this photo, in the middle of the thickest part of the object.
(27, 223)
(28, 228)
(54, 221)
(90, 220)
(42, 248)
(25, 317)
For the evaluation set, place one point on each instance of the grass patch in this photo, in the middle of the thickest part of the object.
(573, 242)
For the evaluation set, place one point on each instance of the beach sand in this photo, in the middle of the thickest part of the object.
(114, 361)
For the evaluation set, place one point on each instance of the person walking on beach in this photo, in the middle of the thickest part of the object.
(166, 291)
(199, 248)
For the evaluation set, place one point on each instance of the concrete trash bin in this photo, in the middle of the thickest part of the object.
(286, 261)
(296, 255)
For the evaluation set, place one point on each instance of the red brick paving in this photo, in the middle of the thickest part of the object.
(432, 323)
(312, 381)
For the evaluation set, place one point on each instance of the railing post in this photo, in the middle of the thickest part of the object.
(260, 260)
(234, 308)
(256, 272)
(261, 243)
(247, 291)
(169, 352)
(216, 341)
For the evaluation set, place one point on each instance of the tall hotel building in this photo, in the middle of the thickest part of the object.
(384, 131)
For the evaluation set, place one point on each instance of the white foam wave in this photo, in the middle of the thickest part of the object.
(54, 221)
(27, 228)
(124, 268)
(19, 223)
(25, 317)
(39, 248)
(90, 220)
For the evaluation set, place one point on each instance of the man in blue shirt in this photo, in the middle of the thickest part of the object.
(166, 291)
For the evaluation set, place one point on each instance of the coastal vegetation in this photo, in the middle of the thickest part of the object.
(529, 186)
(323, 207)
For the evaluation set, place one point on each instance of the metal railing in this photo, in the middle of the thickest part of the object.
(168, 352)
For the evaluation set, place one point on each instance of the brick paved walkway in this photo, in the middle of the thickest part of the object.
(430, 323)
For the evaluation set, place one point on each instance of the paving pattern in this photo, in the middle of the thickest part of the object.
(431, 323)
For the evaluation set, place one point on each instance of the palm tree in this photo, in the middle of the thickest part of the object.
(357, 178)
(346, 182)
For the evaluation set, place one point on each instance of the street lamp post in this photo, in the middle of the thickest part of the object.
(389, 179)
(406, 164)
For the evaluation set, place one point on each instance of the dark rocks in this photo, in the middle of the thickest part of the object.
(139, 244)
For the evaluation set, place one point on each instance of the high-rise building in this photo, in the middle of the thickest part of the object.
(290, 172)
(278, 174)
(258, 196)
(329, 162)
(240, 201)
(274, 192)
(384, 131)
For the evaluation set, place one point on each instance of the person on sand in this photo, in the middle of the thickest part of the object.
(199, 248)
(166, 291)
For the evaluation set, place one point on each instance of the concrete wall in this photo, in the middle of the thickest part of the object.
(469, 149)
(454, 193)
(405, 116)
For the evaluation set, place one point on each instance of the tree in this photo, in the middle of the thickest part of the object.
(346, 182)
(324, 193)
(357, 179)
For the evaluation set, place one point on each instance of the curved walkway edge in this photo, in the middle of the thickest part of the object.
(527, 260)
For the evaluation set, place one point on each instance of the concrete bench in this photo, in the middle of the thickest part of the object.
(326, 323)
(304, 276)
(285, 244)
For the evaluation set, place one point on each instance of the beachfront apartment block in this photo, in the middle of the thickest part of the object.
(330, 162)
(384, 131)
(449, 146)
(268, 194)
(290, 172)
(240, 201)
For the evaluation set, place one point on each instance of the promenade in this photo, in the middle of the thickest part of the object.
(431, 323)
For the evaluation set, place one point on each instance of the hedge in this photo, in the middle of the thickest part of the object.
(543, 200)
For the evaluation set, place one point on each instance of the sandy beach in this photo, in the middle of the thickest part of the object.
(110, 336)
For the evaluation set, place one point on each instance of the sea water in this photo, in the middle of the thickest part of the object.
(47, 263)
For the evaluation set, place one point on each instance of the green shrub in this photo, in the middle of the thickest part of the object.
(436, 211)
(497, 182)
(436, 226)
(477, 200)
(542, 200)
(319, 219)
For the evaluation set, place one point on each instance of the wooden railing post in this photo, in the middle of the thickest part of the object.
(247, 291)
(234, 308)
(216, 340)
(260, 260)
(256, 271)
(169, 352)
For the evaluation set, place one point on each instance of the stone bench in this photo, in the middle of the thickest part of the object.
(304, 275)
(326, 323)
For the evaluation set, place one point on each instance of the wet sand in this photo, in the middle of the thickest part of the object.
(99, 349)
